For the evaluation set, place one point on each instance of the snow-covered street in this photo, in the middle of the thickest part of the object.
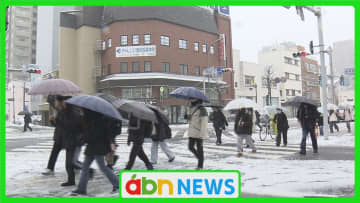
(272, 171)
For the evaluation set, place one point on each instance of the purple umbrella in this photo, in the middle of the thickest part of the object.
(54, 87)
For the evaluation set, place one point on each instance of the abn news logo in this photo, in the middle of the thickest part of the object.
(171, 184)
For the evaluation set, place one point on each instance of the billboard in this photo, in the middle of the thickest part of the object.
(134, 51)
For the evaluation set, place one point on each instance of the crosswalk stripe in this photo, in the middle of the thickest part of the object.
(259, 149)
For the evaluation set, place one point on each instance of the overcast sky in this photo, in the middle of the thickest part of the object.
(256, 26)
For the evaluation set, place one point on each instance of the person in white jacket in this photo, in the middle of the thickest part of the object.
(198, 123)
(348, 118)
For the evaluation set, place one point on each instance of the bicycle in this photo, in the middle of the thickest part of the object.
(265, 131)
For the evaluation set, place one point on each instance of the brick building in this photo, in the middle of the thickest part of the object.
(143, 53)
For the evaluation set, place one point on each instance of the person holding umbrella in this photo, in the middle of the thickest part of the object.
(219, 123)
(198, 122)
(138, 129)
(282, 126)
(243, 128)
(98, 138)
(308, 116)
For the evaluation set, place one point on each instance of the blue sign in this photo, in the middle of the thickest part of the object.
(219, 70)
(224, 10)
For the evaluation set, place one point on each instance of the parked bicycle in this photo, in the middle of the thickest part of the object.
(266, 131)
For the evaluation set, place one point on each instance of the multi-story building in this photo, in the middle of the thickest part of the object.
(343, 64)
(310, 77)
(143, 53)
(279, 57)
(21, 38)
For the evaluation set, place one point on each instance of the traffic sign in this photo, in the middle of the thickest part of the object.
(161, 89)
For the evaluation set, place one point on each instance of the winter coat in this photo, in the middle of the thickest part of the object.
(219, 120)
(138, 130)
(198, 122)
(114, 127)
(348, 116)
(243, 124)
(98, 137)
(68, 128)
(281, 121)
(333, 117)
(161, 131)
(308, 118)
(27, 118)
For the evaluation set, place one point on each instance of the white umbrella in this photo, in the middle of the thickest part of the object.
(345, 105)
(331, 107)
(242, 103)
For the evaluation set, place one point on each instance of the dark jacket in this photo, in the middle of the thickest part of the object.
(27, 118)
(219, 120)
(98, 136)
(246, 127)
(143, 130)
(68, 128)
(114, 126)
(163, 130)
(308, 117)
(281, 121)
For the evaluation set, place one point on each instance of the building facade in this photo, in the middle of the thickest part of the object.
(279, 57)
(310, 71)
(143, 53)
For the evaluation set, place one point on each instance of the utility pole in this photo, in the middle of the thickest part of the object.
(13, 102)
(329, 52)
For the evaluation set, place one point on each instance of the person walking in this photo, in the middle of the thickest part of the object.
(197, 132)
(243, 128)
(98, 138)
(27, 121)
(348, 118)
(68, 127)
(282, 127)
(161, 132)
(308, 116)
(138, 130)
(219, 123)
(333, 119)
(114, 127)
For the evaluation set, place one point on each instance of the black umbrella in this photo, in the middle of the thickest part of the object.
(296, 101)
(130, 107)
(159, 113)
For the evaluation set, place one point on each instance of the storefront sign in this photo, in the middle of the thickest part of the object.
(134, 51)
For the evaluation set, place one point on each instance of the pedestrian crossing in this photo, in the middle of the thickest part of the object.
(179, 144)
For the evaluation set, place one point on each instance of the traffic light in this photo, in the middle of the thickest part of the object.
(226, 70)
(311, 46)
(342, 80)
(37, 71)
(320, 82)
(299, 54)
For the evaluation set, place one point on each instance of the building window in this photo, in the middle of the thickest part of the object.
(293, 92)
(287, 60)
(123, 40)
(183, 69)
(123, 67)
(197, 70)
(135, 39)
(164, 40)
(287, 92)
(236, 85)
(165, 67)
(196, 46)
(287, 75)
(109, 69)
(147, 39)
(249, 80)
(135, 67)
(147, 66)
(212, 51)
(103, 45)
(204, 48)
(109, 42)
(297, 77)
(280, 93)
(136, 93)
(182, 44)
(296, 62)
